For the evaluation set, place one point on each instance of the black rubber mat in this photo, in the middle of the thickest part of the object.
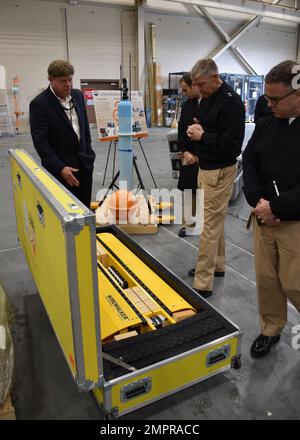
(149, 348)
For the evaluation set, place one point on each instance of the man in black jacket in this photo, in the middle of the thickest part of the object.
(60, 132)
(272, 186)
(218, 136)
(261, 109)
(188, 173)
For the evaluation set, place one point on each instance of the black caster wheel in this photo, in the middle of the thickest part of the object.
(112, 415)
(236, 362)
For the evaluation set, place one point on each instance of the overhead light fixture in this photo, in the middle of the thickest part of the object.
(73, 2)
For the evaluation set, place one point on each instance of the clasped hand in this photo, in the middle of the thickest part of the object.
(264, 213)
(195, 131)
(188, 158)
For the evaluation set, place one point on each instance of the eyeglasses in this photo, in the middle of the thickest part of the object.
(276, 99)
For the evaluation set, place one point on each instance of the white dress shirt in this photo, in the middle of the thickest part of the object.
(68, 105)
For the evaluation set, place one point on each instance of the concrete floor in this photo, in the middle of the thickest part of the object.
(43, 387)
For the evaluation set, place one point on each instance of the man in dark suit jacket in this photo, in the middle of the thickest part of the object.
(60, 132)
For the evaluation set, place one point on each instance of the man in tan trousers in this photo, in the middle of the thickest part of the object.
(272, 186)
(217, 136)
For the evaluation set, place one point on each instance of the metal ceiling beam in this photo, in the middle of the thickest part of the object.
(257, 9)
(279, 3)
(238, 35)
(247, 63)
(227, 38)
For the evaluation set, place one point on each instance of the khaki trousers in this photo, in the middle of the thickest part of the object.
(217, 185)
(277, 265)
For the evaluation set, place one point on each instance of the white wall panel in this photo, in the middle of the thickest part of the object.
(181, 41)
(266, 46)
(95, 42)
(33, 34)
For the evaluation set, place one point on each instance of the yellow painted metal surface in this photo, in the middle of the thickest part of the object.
(61, 262)
(58, 192)
(116, 314)
(171, 376)
(84, 264)
(44, 248)
(159, 287)
(99, 395)
(165, 219)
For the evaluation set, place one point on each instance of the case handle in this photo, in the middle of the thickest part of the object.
(136, 389)
(19, 180)
(217, 355)
(41, 214)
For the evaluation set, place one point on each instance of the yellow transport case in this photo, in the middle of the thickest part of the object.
(98, 281)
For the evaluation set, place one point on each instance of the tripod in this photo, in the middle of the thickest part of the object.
(141, 185)
(114, 160)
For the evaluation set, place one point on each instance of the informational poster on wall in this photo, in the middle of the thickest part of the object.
(88, 94)
(106, 109)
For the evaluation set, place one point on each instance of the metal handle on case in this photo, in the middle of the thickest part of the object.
(41, 214)
(217, 355)
(136, 389)
(19, 180)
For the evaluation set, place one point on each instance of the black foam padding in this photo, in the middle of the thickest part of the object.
(149, 348)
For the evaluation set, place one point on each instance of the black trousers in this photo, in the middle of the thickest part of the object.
(83, 192)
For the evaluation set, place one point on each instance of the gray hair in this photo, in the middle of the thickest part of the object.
(282, 73)
(204, 67)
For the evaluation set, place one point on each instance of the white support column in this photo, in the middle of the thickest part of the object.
(298, 45)
(140, 43)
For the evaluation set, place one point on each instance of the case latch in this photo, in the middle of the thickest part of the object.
(136, 389)
(19, 180)
(41, 214)
(217, 355)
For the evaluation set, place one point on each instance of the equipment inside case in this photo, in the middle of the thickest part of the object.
(150, 345)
